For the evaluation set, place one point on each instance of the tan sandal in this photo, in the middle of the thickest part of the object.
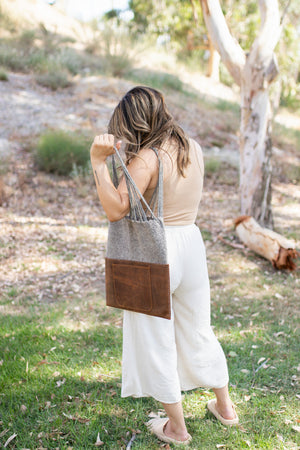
(157, 425)
(211, 406)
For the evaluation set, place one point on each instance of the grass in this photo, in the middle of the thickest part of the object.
(61, 366)
(225, 105)
(286, 137)
(156, 79)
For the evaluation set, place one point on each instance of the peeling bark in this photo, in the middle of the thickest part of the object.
(255, 154)
(253, 74)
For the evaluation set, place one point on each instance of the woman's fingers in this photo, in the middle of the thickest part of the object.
(104, 139)
(102, 146)
(118, 145)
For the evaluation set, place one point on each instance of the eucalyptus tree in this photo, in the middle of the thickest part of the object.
(249, 55)
(253, 71)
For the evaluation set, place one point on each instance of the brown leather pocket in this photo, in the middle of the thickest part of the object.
(138, 286)
(132, 286)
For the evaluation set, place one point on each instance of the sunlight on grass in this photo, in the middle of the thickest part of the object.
(62, 362)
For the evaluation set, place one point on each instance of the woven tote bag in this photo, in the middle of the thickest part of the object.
(136, 267)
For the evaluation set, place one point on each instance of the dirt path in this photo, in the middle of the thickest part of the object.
(52, 229)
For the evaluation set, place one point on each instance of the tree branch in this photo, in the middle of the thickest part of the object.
(285, 11)
(263, 47)
(231, 53)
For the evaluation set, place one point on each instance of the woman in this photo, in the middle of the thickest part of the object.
(163, 357)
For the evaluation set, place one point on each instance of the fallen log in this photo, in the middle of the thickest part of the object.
(272, 246)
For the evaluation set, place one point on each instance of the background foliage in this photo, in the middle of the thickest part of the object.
(176, 26)
(179, 25)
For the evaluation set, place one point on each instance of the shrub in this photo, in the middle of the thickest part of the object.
(11, 59)
(212, 165)
(26, 40)
(157, 80)
(6, 21)
(37, 61)
(117, 65)
(72, 60)
(3, 75)
(54, 79)
(58, 152)
(115, 46)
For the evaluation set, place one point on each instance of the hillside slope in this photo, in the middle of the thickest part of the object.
(26, 14)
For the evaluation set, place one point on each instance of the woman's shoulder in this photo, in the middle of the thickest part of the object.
(195, 145)
(198, 152)
(145, 160)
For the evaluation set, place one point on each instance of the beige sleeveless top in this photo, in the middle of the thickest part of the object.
(182, 195)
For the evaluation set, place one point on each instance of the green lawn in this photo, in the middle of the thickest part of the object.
(61, 367)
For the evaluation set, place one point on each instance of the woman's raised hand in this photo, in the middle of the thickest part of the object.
(103, 146)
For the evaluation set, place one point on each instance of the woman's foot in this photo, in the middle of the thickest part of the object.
(225, 414)
(226, 410)
(174, 425)
(222, 408)
(179, 435)
(158, 427)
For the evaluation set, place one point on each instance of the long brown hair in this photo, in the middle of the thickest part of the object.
(141, 118)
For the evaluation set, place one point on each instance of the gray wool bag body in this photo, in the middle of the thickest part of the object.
(136, 265)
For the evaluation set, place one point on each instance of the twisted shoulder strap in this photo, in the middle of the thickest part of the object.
(136, 199)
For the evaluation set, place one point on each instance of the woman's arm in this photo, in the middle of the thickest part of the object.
(144, 171)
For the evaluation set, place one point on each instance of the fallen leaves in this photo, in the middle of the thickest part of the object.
(37, 252)
(280, 333)
(263, 364)
(10, 439)
(59, 383)
(44, 361)
(159, 413)
(76, 418)
(98, 442)
(3, 432)
(133, 437)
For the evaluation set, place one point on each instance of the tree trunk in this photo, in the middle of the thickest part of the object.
(255, 144)
(253, 74)
(272, 246)
(214, 62)
(255, 153)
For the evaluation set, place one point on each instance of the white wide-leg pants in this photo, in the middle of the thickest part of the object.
(163, 357)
